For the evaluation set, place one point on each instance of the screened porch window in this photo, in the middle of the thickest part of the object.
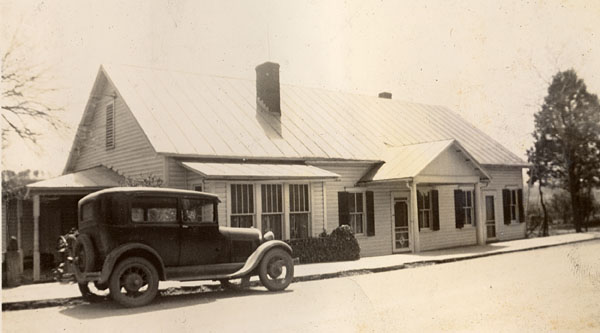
(242, 205)
(272, 209)
(299, 211)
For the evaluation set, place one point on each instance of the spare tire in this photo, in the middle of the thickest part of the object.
(83, 254)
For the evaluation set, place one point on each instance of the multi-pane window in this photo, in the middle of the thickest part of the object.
(513, 206)
(468, 206)
(198, 188)
(150, 209)
(356, 211)
(110, 126)
(272, 209)
(195, 210)
(424, 205)
(242, 205)
(299, 211)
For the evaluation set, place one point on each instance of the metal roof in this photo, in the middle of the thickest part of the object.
(258, 171)
(206, 116)
(408, 161)
(95, 178)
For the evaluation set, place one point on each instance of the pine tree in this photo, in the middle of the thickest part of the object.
(566, 152)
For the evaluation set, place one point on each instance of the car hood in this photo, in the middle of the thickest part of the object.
(241, 233)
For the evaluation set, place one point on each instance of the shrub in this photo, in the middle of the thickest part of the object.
(341, 245)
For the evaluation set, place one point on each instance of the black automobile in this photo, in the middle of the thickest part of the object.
(129, 238)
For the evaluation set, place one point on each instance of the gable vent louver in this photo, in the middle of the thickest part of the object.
(110, 126)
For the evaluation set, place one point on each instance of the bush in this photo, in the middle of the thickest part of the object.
(341, 245)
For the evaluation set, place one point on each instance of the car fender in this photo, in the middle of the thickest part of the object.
(255, 258)
(114, 255)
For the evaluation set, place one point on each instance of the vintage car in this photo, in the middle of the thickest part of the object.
(129, 238)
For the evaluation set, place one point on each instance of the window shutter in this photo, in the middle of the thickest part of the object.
(459, 212)
(419, 207)
(506, 205)
(344, 214)
(436, 209)
(370, 214)
(520, 204)
(474, 209)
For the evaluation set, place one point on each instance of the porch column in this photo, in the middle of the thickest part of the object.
(36, 237)
(480, 218)
(414, 217)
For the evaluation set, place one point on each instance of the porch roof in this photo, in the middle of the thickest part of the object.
(258, 171)
(84, 181)
(408, 162)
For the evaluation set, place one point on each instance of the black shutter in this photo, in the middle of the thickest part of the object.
(506, 205)
(436, 209)
(474, 210)
(370, 214)
(520, 204)
(419, 207)
(344, 214)
(459, 211)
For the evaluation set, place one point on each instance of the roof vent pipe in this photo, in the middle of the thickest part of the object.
(267, 87)
(385, 94)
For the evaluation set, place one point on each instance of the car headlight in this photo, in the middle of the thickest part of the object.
(269, 235)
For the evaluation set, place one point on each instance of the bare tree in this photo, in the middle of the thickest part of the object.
(27, 91)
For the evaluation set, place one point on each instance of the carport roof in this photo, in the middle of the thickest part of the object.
(96, 178)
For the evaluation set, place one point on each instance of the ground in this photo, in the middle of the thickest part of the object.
(553, 289)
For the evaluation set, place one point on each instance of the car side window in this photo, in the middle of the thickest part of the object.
(197, 210)
(152, 209)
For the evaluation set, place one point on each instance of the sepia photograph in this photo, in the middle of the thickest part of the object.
(300, 166)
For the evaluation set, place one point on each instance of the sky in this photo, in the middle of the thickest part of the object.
(490, 61)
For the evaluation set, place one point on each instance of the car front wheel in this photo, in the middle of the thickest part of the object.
(134, 282)
(276, 270)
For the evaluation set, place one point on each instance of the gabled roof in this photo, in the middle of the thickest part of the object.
(96, 178)
(193, 115)
(406, 162)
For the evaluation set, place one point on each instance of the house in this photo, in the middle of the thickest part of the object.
(406, 177)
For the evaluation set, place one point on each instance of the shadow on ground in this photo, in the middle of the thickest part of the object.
(107, 308)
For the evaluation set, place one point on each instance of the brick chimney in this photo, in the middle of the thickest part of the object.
(384, 94)
(267, 87)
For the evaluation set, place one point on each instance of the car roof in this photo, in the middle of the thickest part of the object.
(152, 190)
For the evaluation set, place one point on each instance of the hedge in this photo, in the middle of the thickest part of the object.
(340, 245)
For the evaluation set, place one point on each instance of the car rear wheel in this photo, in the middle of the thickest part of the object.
(134, 282)
(276, 270)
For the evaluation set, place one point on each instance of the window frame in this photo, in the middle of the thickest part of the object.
(514, 205)
(363, 192)
(421, 211)
(468, 206)
(297, 212)
(176, 221)
(271, 203)
(230, 212)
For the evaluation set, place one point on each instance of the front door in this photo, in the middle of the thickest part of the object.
(490, 217)
(401, 240)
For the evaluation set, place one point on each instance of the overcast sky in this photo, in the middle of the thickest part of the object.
(490, 61)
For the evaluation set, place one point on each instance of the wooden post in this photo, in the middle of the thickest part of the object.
(414, 214)
(480, 218)
(36, 237)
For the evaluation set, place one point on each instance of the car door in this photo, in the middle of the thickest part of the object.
(201, 241)
(155, 223)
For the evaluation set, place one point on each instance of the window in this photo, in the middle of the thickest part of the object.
(87, 211)
(468, 206)
(513, 205)
(299, 211)
(356, 211)
(242, 205)
(149, 209)
(424, 205)
(195, 210)
(110, 126)
(198, 188)
(272, 209)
